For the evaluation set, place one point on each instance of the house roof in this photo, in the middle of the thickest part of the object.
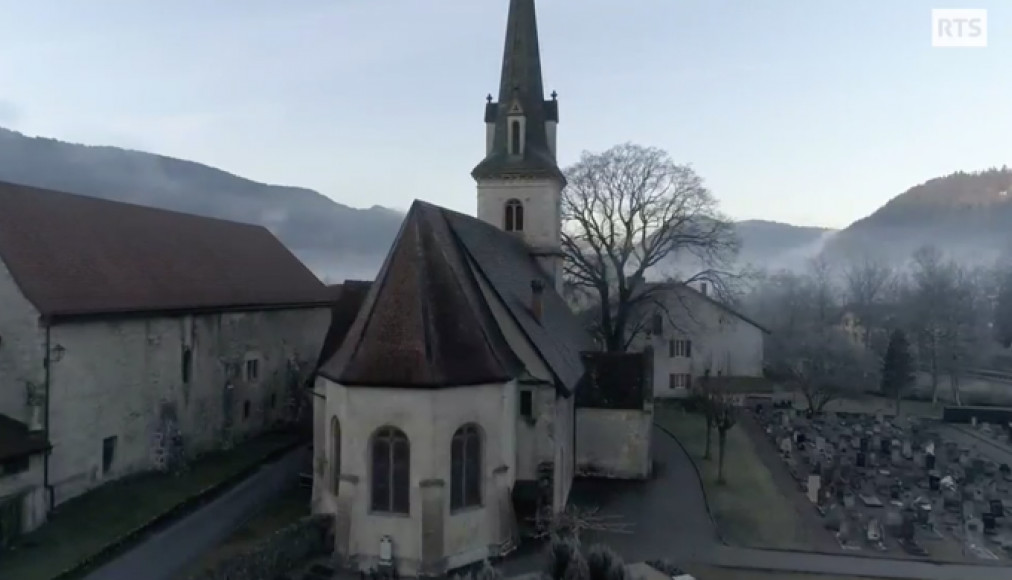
(425, 321)
(726, 308)
(73, 255)
(17, 441)
(347, 300)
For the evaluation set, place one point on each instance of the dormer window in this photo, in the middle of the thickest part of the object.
(515, 137)
(514, 216)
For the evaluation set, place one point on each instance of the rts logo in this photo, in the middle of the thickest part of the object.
(958, 27)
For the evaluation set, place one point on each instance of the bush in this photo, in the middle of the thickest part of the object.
(561, 552)
(604, 564)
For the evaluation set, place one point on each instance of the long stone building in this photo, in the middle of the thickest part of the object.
(133, 337)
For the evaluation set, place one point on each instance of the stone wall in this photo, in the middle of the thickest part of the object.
(614, 443)
(287, 549)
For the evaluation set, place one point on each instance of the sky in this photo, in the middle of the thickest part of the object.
(801, 111)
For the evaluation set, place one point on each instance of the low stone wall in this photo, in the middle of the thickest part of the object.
(614, 443)
(287, 549)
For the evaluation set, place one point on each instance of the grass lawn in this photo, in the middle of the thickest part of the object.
(84, 525)
(715, 573)
(288, 508)
(750, 509)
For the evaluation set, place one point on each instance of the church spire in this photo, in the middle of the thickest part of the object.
(519, 142)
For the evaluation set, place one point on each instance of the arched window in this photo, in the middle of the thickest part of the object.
(514, 218)
(391, 471)
(465, 467)
(335, 454)
(515, 137)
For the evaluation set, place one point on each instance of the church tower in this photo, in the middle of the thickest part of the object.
(519, 181)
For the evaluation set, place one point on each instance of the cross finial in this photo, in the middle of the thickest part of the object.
(555, 95)
(489, 98)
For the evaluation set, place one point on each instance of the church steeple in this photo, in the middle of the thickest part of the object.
(520, 137)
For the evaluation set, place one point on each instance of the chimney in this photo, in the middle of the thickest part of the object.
(702, 288)
(537, 292)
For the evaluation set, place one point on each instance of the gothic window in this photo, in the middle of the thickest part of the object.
(391, 459)
(335, 456)
(515, 137)
(514, 218)
(465, 467)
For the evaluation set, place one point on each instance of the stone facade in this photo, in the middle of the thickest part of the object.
(135, 394)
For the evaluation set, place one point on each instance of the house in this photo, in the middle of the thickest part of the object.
(135, 337)
(690, 333)
(22, 480)
(449, 407)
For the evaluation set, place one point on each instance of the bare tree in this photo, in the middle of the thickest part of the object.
(627, 210)
(822, 289)
(866, 282)
(725, 416)
(822, 363)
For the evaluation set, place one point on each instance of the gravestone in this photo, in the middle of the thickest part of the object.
(814, 484)
(929, 461)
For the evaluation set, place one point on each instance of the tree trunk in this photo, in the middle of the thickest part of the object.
(954, 385)
(709, 431)
(721, 444)
(899, 398)
(934, 370)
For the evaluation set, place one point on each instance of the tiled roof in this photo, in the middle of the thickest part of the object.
(347, 300)
(17, 441)
(425, 321)
(74, 255)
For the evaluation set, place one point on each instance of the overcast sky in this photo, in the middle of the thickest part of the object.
(809, 112)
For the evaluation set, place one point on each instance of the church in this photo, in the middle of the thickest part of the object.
(454, 390)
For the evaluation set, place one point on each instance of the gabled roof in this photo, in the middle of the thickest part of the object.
(347, 300)
(425, 322)
(17, 441)
(681, 286)
(73, 255)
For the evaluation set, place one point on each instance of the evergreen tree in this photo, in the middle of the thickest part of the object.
(897, 368)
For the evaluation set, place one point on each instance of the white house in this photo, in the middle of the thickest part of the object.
(451, 399)
(691, 333)
(131, 337)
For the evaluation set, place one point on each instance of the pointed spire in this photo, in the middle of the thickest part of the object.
(521, 62)
(521, 83)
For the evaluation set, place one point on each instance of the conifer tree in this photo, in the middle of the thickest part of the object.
(897, 368)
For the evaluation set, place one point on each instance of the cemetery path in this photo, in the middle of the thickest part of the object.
(168, 551)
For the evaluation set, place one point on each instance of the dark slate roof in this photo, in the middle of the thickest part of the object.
(507, 264)
(347, 300)
(73, 255)
(521, 80)
(425, 321)
(17, 441)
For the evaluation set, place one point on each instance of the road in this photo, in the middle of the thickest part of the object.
(167, 552)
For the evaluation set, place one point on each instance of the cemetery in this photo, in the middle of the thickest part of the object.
(898, 486)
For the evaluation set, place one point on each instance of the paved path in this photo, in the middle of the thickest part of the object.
(170, 550)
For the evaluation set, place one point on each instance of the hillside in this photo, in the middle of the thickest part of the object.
(968, 215)
(335, 240)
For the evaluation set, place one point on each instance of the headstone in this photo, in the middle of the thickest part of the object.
(973, 422)
(929, 461)
(919, 458)
(884, 446)
(933, 480)
(929, 448)
(814, 484)
(874, 533)
(907, 525)
(864, 445)
(848, 501)
(785, 446)
(820, 444)
(997, 508)
(907, 449)
(785, 419)
(872, 460)
(896, 458)
(860, 459)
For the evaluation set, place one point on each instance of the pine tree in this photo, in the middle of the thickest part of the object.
(897, 368)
